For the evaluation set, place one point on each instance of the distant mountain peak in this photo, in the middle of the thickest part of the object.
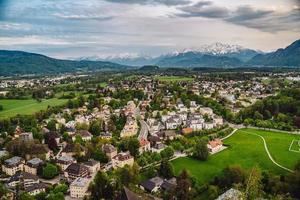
(220, 48)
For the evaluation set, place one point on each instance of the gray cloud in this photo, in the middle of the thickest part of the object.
(143, 2)
(246, 13)
(248, 16)
(204, 9)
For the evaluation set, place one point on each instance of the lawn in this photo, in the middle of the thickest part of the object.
(246, 150)
(173, 78)
(103, 84)
(12, 107)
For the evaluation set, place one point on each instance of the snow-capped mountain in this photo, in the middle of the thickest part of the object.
(220, 49)
(230, 53)
(125, 59)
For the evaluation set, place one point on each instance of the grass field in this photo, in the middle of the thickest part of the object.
(173, 78)
(12, 107)
(103, 84)
(295, 146)
(246, 150)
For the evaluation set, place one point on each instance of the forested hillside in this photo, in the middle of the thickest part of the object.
(281, 111)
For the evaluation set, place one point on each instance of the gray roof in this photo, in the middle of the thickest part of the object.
(13, 161)
(34, 162)
(231, 194)
(150, 184)
(65, 159)
(80, 182)
(36, 186)
(22, 176)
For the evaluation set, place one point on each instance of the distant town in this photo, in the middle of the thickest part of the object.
(141, 136)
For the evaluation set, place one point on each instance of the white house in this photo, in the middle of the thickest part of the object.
(215, 146)
(79, 188)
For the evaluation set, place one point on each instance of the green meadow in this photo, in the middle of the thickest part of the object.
(247, 150)
(12, 107)
(173, 78)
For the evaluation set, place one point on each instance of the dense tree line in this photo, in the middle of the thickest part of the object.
(280, 112)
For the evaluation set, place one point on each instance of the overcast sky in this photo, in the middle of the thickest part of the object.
(78, 28)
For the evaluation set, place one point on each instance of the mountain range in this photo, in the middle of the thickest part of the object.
(216, 55)
(219, 55)
(20, 63)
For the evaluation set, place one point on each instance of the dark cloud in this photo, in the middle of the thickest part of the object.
(143, 2)
(204, 9)
(246, 13)
(248, 16)
(265, 20)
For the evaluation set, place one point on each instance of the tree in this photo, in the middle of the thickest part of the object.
(26, 196)
(128, 174)
(50, 171)
(99, 155)
(95, 128)
(101, 187)
(253, 186)
(3, 190)
(212, 192)
(130, 144)
(183, 185)
(257, 115)
(41, 196)
(51, 125)
(200, 150)
(233, 175)
(56, 196)
(167, 153)
(60, 188)
(166, 170)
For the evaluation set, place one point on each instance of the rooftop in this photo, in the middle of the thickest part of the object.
(13, 161)
(80, 182)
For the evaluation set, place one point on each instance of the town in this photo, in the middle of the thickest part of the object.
(123, 128)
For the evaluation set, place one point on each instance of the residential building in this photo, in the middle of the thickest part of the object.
(144, 146)
(152, 185)
(76, 170)
(84, 134)
(36, 188)
(93, 166)
(33, 165)
(122, 159)
(206, 111)
(130, 128)
(215, 145)
(22, 178)
(13, 165)
(64, 161)
(79, 187)
(109, 150)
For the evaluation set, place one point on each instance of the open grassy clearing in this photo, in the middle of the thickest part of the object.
(246, 150)
(103, 84)
(173, 78)
(295, 146)
(12, 107)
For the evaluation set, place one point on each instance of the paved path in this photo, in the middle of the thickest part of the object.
(144, 130)
(224, 138)
(267, 150)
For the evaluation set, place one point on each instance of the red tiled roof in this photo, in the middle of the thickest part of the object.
(215, 143)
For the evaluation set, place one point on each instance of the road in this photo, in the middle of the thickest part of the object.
(144, 130)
